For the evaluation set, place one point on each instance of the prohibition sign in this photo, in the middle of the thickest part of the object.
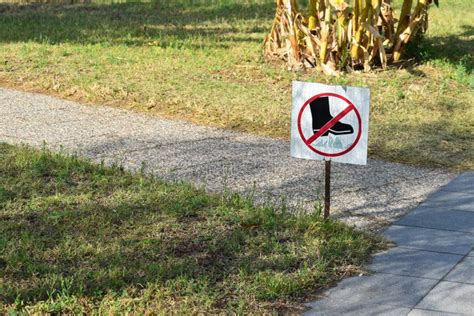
(309, 141)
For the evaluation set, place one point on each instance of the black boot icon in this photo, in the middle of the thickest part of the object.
(321, 115)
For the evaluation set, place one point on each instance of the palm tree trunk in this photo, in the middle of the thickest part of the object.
(313, 14)
(404, 17)
(414, 24)
(325, 32)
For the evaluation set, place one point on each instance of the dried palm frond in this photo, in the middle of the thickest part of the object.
(337, 35)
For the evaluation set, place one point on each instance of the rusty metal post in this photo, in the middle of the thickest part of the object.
(327, 188)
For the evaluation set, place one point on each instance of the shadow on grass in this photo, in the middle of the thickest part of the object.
(110, 249)
(72, 229)
(455, 49)
(92, 249)
(171, 23)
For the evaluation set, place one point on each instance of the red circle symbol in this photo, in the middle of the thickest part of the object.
(309, 141)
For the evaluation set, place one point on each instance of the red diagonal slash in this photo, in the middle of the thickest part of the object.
(329, 124)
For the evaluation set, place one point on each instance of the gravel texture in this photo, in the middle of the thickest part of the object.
(370, 197)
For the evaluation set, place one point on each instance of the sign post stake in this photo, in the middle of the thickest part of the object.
(329, 123)
(327, 188)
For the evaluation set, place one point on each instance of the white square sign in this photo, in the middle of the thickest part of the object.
(330, 122)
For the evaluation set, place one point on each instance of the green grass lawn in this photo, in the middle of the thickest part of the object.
(82, 238)
(202, 61)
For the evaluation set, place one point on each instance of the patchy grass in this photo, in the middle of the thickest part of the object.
(202, 61)
(82, 238)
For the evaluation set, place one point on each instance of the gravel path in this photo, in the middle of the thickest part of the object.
(369, 196)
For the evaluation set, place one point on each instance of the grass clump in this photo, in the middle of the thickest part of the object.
(202, 61)
(82, 238)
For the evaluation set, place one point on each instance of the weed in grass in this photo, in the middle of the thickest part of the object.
(82, 238)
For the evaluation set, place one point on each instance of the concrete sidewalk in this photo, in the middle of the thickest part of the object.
(368, 196)
(429, 272)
